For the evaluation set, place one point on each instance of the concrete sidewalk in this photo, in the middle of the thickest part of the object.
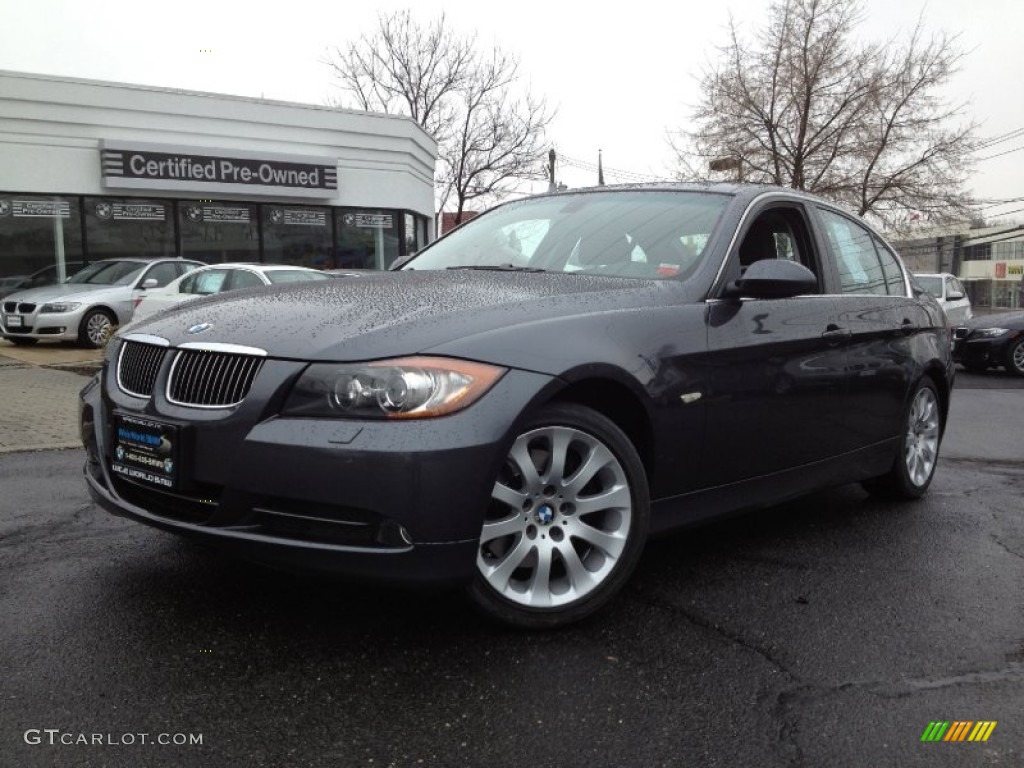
(39, 388)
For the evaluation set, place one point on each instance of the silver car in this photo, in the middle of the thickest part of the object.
(89, 303)
(950, 293)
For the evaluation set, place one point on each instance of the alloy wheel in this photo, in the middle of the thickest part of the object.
(559, 521)
(97, 327)
(922, 439)
(1017, 358)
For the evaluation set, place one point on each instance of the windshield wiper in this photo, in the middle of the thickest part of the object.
(499, 268)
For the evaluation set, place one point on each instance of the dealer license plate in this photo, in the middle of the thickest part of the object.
(146, 451)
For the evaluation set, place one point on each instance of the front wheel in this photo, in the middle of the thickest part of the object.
(913, 469)
(567, 521)
(95, 328)
(1015, 358)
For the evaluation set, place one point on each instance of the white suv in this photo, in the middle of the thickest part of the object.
(951, 295)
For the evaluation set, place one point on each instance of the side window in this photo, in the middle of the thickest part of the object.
(778, 233)
(184, 267)
(243, 278)
(891, 269)
(860, 270)
(162, 273)
(188, 285)
(203, 283)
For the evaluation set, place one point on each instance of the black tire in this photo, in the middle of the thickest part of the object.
(536, 536)
(1015, 357)
(95, 328)
(21, 341)
(914, 464)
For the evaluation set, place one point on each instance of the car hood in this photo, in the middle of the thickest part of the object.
(1013, 320)
(394, 313)
(64, 292)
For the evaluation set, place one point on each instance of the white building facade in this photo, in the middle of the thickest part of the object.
(92, 170)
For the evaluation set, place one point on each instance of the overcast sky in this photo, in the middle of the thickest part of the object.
(619, 79)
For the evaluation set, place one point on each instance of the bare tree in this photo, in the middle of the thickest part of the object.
(490, 131)
(806, 106)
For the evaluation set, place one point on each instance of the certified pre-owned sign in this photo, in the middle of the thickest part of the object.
(208, 170)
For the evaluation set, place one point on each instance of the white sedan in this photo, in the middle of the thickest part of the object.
(218, 278)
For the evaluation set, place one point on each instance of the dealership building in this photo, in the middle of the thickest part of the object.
(93, 170)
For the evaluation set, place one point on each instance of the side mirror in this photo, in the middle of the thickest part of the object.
(149, 282)
(775, 279)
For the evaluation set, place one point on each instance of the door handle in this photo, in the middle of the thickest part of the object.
(908, 327)
(835, 335)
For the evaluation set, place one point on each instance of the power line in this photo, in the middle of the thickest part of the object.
(1000, 154)
(991, 142)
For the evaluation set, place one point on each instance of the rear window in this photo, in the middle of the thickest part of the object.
(279, 276)
(931, 284)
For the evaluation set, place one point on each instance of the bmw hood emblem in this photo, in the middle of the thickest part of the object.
(200, 328)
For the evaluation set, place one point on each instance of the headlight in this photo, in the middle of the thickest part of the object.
(989, 333)
(403, 388)
(67, 306)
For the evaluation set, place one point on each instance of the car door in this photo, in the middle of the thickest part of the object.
(775, 365)
(876, 306)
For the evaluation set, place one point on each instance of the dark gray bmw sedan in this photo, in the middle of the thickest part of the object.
(529, 398)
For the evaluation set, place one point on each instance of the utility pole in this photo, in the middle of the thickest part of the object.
(600, 170)
(552, 187)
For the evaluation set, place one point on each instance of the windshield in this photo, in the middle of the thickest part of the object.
(645, 234)
(931, 284)
(277, 276)
(108, 273)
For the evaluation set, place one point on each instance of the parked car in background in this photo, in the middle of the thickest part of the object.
(991, 341)
(949, 292)
(529, 397)
(219, 278)
(46, 276)
(89, 303)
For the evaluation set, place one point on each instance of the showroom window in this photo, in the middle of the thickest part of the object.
(39, 234)
(367, 238)
(216, 232)
(119, 227)
(298, 235)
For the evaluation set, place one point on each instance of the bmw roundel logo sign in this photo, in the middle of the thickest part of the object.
(199, 328)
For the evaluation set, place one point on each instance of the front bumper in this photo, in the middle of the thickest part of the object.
(59, 326)
(984, 351)
(394, 501)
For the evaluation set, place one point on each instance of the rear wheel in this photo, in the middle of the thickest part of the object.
(914, 467)
(1015, 357)
(95, 328)
(567, 521)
